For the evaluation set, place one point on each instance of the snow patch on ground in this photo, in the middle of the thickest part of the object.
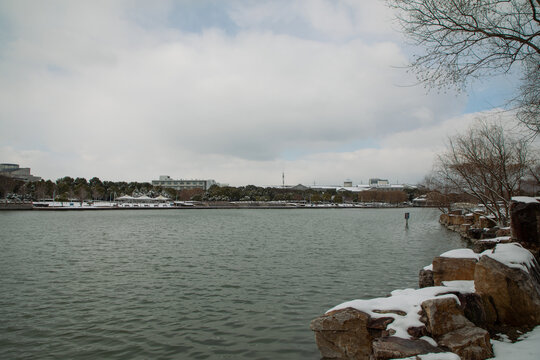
(526, 348)
(429, 267)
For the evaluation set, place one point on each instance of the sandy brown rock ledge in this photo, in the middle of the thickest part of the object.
(497, 290)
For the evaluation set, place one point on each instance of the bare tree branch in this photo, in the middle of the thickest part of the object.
(467, 39)
(487, 164)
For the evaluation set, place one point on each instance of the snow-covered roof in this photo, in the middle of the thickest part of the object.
(125, 197)
(143, 197)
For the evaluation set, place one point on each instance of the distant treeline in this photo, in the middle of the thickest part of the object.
(68, 188)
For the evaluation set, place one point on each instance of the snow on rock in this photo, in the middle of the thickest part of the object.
(402, 305)
(434, 356)
(526, 199)
(512, 255)
(500, 239)
(429, 340)
(465, 286)
(429, 267)
(461, 254)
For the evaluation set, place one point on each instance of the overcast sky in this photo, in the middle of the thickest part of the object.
(236, 91)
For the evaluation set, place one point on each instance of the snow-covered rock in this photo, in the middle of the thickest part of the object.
(454, 265)
(509, 277)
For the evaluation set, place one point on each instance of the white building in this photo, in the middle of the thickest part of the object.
(181, 184)
(378, 182)
(16, 172)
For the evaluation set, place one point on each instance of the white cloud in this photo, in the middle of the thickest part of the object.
(89, 92)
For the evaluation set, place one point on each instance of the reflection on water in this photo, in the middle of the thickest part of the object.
(197, 284)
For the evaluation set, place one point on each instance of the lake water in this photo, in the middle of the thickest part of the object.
(197, 284)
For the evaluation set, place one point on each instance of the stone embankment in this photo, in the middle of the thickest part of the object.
(482, 232)
(465, 298)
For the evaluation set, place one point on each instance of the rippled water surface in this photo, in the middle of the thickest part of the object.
(197, 284)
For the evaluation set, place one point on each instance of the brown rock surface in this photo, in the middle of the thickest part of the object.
(343, 334)
(443, 219)
(503, 232)
(463, 228)
(470, 343)
(477, 309)
(484, 222)
(443, 315)
(514, 293)
(456, 219)
(394, 348)
(449, 269)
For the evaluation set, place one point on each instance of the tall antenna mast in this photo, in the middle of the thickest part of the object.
(283, 179)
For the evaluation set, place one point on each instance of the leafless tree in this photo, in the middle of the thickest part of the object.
(466, 39)
(444, 194)
(386, 196)
(7, 185)
(487, 163)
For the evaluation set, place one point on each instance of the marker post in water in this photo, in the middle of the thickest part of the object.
(407, 219)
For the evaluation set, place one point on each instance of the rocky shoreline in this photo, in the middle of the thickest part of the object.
(465, 299)
(482, 233)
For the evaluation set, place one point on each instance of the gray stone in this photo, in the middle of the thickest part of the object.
(425, 278)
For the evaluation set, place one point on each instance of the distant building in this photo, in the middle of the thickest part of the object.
(168, 182)
(16, 172)
(299, 187)
(378, 182)
(347, 183)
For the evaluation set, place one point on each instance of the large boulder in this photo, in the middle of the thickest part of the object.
(470, 343)
(456, 219)
(509, 278)
(525, 224)
(447, 323)
(443, 315)
(477, 309)
(454, 265)
(343, 334)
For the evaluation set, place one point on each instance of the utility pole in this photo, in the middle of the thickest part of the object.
(283, 179)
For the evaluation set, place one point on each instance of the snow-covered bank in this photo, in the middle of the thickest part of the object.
(475, 294)
(526, 348)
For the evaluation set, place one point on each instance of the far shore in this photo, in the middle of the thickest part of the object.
(94, 206)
